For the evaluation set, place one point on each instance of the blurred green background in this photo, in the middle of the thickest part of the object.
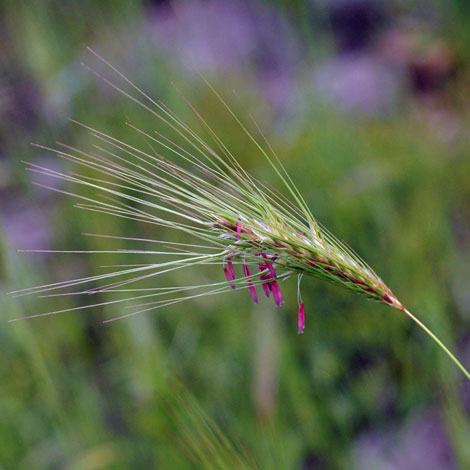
(367, 104)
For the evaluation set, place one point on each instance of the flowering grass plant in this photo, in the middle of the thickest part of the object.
(257, 236)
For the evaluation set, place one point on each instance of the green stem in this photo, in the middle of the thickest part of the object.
(440, 343)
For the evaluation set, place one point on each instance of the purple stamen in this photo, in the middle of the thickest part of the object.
(301, 318)
(266, 285)
(230, 268)
(269, 284)
(276, 293)
(229, 276)
(251, 288)
(269, 266)
(239, 229)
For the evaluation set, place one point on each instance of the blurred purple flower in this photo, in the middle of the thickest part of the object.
(358, 83)
(26, 228)
(218, 35)
(23, 224)
(53, 163)
(19, 102)
(215, 35)
(421, 443)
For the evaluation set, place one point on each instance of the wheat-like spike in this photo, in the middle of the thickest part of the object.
(238, 219)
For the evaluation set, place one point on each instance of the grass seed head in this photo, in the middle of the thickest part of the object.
(233, 218)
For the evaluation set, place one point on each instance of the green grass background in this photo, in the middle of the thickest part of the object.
(77, 394)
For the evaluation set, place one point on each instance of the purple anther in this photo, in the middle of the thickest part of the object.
(230, 268)
(251, 288)
(301, 318)
(239, 229)
(278, 299)
(264, 277)
(229, 276)
(269, 266)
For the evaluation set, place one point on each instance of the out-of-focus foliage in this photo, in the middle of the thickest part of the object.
(371, 124)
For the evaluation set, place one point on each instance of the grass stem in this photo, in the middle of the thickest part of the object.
(440, 343)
